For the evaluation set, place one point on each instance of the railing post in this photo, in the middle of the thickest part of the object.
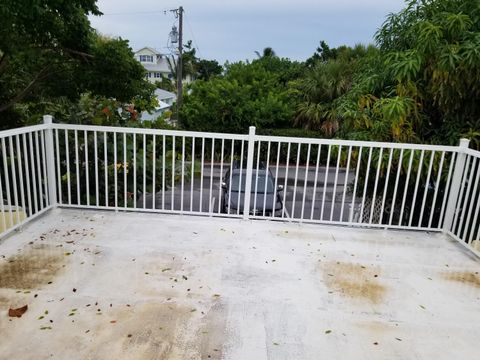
(455, 185)
(248, 180)
(50, 160)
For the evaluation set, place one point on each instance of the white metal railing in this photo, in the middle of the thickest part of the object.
(357, 183)
(24, 180)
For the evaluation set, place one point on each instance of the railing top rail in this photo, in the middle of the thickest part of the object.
(315, 141)
(472, 152)
(179, 133)
(22, 130)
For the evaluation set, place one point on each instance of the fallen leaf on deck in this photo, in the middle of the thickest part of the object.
(166, 269)
(328, 331)
(17, 312)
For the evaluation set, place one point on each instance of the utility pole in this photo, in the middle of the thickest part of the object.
(179, 14)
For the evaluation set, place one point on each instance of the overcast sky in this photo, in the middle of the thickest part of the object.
(233, 29)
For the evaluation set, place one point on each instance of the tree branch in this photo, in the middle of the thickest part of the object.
(41, 75)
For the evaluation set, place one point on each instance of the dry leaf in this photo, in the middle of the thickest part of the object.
(17, 312)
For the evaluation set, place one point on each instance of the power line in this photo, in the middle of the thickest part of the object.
(137, 12)
(193, 37)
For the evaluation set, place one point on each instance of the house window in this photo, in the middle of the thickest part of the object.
(170, 76)
(157, 75)
(146, 58)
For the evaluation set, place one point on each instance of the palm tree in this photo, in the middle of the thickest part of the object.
(268, 52)
(323, 84)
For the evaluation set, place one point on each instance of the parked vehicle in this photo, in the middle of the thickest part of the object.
(264, 198)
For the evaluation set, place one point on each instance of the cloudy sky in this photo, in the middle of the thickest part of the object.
(233, 29)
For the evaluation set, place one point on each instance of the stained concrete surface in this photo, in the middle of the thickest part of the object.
(106, 285)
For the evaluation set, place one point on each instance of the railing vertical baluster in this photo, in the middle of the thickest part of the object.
(232, 154)
(124, 169)
(275, 195)
(134, 170)
(27, 176)
(172, 192)
(461, 195)
(202, 163)
(163, 171)
(427, 185)
(256, 179)
(406, 187)
(395, 189)
(192, 174)
(20, 172)
(105, 166)
(305, 181)
(472, 199)
(315, 181)
(34, 173)
(365, 186)
(387, 180)
(154, 171)
(417, 184)
(267, 177)
(44, 169)
(437, 185)
(59, 175)
(210, 193)
(477, 211)
(372, 208)
(67, 160)
(7, 182)
(286, 181)
(87, 166)
(345, 182)
(115, 170)
(77, 171)
(325, 181)
(183, 174)
(14, 177)
(144, 165)
(2, 204)
(334, 194)
(296, 179)
(240, 179)
(220, 176)
(467, 195)
(352, 206)
(95, 149)
(447, 191)
(39, 172)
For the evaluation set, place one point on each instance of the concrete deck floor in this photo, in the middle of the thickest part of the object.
(104, 285)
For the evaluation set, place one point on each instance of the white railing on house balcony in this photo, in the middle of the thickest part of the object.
(356, 183)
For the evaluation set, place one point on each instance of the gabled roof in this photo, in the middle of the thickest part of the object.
(150, 49)
(164, 94)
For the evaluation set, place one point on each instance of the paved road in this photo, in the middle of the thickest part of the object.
(298, 195)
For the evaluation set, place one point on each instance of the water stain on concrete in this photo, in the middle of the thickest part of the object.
(464, 277)
(160, 331)
(354, 281)
(147, 331)
(213, 331)
(32, 268)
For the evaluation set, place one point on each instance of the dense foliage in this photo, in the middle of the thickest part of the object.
(50, 56)
(421, 83)
(247, 94)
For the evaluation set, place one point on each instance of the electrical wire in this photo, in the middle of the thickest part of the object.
(193, 35)
(136, 13)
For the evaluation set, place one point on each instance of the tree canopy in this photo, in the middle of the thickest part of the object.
(48, 51)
